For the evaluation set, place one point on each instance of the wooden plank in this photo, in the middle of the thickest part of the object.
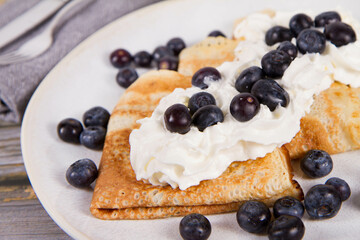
(10, 150)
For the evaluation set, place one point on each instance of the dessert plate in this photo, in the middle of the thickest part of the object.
(85, 78)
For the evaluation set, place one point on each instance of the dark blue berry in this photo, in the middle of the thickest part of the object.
(341, 186)
(275, 62)
(244, 107)
(204, 75)
(270, 93)
(177, 118)
(69, 130)
(277, 34)
(82, 173)
(207, 116)
(216, 33)
(248, 77)
(253, 217)
(300, 22)
(199, 100)
(316, 163)
(340, 33)
(286, 227)
(176, 45)
(168, 62)
(120, 58)
(311, 41)
(126, 76)
(325, 18)
(288, 206)
(289, 48)
(93, 137)
(143, 59)
(195, 227)
(96, 116)
(160, 52)
(322, 201)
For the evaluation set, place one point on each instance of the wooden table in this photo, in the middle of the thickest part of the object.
(21, 214)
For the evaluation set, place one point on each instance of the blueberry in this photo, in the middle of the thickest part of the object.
(300, 22)
(340, 33)
(341, 186)
(316, 163)
(93, 137)
(325, 18)
(176, 45)
(322, 201)
(203, 75)
(69, 130)
(311, 41)
(275, 62)
(168, 62)
(160, 52)
(248, 77)
(96, 116)
(199, 100)
(177, 118)
(289, 48)
(126, 76)
(216, 33)
(143, 59)
(253, 217)
(244, 107)
(82, 173)
(207, 116)
(120, 58)
(270, 93)
(286, 227)
(195, 227)
(288, 206)
(277, 34)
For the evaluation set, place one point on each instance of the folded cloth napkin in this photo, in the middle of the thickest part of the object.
(19, 81)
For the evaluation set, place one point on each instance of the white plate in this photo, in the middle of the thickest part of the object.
(85, 79)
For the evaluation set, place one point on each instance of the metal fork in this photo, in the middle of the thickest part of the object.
(40, 43)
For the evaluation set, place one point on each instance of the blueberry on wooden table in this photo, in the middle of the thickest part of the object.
(248, 77)
(311, 41)
(207, 116)
(126, 76)
(143, 59)
(69, 130)
(244, 107)
(325, 18)
(253, 217)
(195, 227)
(168, 62)
(216, 33)
(176, 45)
(340, 33)
(199, 100)
(205, 75)
(316, 163)
(160, 52)
(341, 186)
(289, 48)
(177, 118)
(82, 173)
(93, 137)
(120, 58)
(96, 116)
(286, 227)
(274, 63)
(300, 22)
(288, 206)
(278, 34)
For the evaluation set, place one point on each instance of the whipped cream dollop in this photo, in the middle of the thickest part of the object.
(183, 160)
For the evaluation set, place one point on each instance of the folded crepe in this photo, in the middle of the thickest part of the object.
(118, 195)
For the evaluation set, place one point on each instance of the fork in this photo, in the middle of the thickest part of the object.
(40, 43)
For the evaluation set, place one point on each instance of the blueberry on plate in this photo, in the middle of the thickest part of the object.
(253, 217)
(126, 76)
(143, 59)
(168, 62)
(96, 116)
(270, 93)
(244, 107)
(289, 48)
(341, 186)
(204, 75)
(93, 137)
(340, 33)
(207, 116)
(277, 34)
(286, 227)
(69, 130)
(288, 206)
(248, 77)
(199, 100)
(176, 45)
(160, 52)
(275, 62)
(195, 227)
(177, 118)
(316, 163)
(325, 18)
(120, 58)
(82, 173)
(216, 33)
(322, 201)
(300, 22)
(311, 41)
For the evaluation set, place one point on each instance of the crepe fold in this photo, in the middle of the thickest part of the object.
(118, 195)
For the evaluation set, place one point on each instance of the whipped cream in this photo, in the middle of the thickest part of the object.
(182, 161)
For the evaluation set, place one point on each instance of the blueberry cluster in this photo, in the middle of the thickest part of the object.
(163, 57)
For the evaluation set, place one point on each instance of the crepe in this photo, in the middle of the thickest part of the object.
(118, 195)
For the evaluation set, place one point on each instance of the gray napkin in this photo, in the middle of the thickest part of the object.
(19, 81)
